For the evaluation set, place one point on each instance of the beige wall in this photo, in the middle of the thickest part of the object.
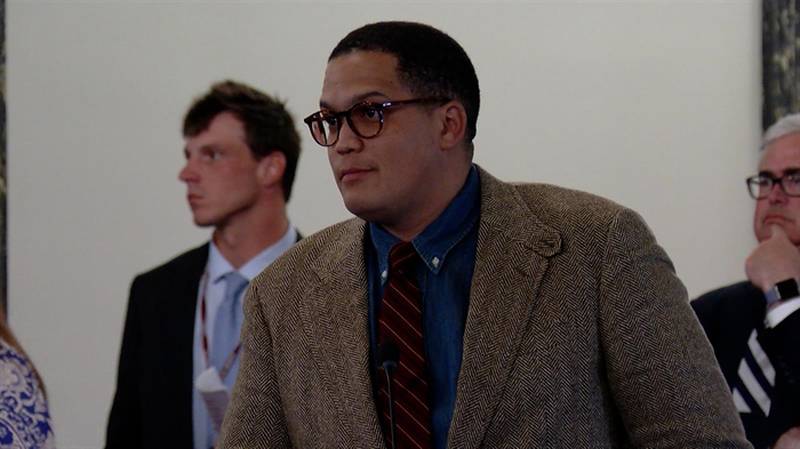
(654, 104)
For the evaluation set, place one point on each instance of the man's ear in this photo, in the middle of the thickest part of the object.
(271, 168)
(454, 124)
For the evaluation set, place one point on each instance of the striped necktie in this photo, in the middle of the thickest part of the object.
(400, 324)
(752, 393)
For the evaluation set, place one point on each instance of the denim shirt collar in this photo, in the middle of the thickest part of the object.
(439, 237)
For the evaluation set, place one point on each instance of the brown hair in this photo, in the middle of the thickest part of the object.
(268, 125)
(8, 337)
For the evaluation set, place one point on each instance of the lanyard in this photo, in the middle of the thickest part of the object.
(226, 367)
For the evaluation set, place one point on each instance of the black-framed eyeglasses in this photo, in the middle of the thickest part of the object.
(365, 119)
(760, 185)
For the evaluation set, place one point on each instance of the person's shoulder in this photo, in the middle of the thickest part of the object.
(320, 251)
(188, 262)
(728, 315)
(558, 199)
(13, 362)
(569, 210)
(321, 245)
(549, 202)
(29, 422)
(742, 289)
(734, 297)
(583, 221)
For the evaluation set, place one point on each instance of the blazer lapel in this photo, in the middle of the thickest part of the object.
(177, 303)
(340, 327)
(511, 260)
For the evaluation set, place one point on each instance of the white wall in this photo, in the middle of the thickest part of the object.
(654, 104)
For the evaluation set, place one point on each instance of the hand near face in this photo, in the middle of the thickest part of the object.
(774, 259)
(789, 440)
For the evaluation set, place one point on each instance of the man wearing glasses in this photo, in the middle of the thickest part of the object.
(754, 325)
(458, 310)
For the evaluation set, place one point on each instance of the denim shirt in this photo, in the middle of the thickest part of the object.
(447, 247)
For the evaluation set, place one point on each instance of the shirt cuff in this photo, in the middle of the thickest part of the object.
(780, 311)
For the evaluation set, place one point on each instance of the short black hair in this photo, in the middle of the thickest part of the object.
(268, 125)
(430, 62)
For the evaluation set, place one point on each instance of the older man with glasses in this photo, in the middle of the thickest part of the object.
(458, 310)
(754, 325)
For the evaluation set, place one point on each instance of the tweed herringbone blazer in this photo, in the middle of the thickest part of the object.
(578, 335)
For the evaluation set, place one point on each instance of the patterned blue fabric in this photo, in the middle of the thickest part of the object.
(24, 417)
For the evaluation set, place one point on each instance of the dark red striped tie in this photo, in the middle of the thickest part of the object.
(400, 322)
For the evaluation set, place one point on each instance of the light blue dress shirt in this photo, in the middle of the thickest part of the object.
(213, 286)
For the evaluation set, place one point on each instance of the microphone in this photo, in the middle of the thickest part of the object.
(388, 355)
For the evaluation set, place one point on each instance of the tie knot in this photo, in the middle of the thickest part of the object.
(234, 284)
(402, 256)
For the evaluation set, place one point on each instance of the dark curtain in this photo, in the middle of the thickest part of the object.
(3, 252)
(781, 59)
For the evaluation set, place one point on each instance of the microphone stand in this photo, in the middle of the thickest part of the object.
(389, 355)
(388, 370)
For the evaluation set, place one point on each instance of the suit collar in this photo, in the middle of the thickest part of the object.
(173, 321)
(343, 258)
(503, 211)
(514, 246)
(340, 325)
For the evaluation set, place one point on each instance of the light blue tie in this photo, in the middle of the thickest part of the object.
(227, 325)
(228, 321)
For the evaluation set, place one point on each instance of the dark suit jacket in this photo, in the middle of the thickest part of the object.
(729, 315)
(152, 405)
(578, 335)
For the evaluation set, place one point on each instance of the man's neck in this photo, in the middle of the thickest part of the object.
(241, 241)
(407, 231)
(431, 207)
